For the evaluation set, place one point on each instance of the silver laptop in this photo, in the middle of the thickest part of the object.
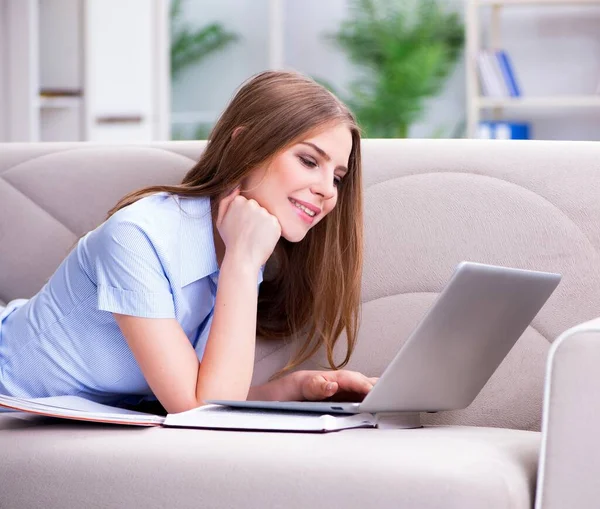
(454, 350)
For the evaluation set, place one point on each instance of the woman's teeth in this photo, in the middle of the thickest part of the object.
(311, 213)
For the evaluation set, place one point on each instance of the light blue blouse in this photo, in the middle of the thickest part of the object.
(156, 259)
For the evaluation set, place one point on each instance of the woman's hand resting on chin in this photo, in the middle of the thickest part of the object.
(248, 231)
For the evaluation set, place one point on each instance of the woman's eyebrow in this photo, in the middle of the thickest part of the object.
(323, 154)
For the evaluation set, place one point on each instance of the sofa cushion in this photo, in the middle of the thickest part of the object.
(110, 466)
(429, 204)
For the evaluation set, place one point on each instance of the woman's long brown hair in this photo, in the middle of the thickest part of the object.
(314, 290)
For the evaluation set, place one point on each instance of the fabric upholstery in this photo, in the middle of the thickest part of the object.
(429, 204)
(98, 466)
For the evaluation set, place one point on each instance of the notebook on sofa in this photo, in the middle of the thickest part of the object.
(208, 416)
(443, 365)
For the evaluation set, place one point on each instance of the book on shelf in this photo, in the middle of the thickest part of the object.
(508, 73)
(207, 416)
(489, 80)
(496, 74)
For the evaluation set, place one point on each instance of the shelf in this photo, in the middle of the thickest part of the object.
(59, 102)
(483, 31)
(540, 102)
(535, 2)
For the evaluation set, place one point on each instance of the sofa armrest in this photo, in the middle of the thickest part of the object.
(569, 467)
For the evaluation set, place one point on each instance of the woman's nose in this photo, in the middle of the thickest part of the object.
(324, 186)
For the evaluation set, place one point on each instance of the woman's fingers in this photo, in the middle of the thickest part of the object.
(348, 382)
(225, 202)
(351, 381)
(325, 384)
(317, 387)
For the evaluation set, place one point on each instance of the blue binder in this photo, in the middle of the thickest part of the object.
(499, 130)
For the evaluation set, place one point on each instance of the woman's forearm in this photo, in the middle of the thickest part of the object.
(226, 368)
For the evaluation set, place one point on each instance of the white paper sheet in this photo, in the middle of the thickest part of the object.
(221, 417)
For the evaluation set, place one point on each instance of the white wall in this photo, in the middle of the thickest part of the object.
(307, 26)
(210, 86)
(555, 50)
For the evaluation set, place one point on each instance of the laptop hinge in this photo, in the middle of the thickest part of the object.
(398, 420)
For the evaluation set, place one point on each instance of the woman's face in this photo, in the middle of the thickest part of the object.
(300, 185)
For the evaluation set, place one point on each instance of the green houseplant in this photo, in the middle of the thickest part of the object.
(405, 51)
(189, 46)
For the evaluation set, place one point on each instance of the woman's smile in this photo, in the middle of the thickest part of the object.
(306, 211)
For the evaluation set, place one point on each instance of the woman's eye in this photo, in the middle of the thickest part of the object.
(337, 181)
(310, 163)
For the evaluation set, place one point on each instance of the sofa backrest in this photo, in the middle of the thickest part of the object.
(428, 205)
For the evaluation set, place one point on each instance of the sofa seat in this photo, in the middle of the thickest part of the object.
(94, 465)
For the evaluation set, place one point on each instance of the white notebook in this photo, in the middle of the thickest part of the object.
(217, 416)
(208, 416)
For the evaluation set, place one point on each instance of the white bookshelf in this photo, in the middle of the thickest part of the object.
(85, 70)
(479, 106)
(59, 102)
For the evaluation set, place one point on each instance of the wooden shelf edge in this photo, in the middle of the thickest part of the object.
(65, 102)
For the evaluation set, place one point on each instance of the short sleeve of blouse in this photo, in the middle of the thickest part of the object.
(130, 271)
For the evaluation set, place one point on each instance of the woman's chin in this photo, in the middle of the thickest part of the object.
(294, 235)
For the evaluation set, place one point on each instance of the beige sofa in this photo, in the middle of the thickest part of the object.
(429, 205)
